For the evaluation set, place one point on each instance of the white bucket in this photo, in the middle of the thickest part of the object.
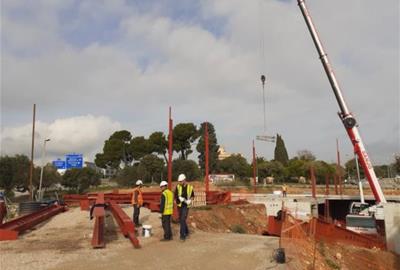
(146, 230)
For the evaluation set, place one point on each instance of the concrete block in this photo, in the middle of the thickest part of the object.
(392, 226)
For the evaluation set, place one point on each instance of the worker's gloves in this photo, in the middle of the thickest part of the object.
(189, 202)
(181, 199)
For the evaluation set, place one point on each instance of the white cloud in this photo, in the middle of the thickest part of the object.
(80, 134)
(155, 61)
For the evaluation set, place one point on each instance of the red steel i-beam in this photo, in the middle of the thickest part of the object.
(170, 123)
(338, 168)
(125, 223)
(98, 230)
(254, 168)
(207, 179)
(10, 230)
(335, 178)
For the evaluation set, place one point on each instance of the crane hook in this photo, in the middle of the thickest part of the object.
(263, 79)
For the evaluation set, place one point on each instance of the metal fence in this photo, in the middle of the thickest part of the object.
(199, 199)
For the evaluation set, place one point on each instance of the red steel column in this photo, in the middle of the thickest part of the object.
(207, 180)
(254, 168)
(326, 184)
(313, 182)
(32, 153)
(170, 123)
(336, 184)
(338, 169)
(98, 230)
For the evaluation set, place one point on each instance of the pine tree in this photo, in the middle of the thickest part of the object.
(281, 154)
(212, 147)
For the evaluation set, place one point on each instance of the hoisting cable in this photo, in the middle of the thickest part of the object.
(264, 136)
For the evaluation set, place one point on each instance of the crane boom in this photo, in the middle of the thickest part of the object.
(345, 115)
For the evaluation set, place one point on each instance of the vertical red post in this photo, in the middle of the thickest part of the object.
(254, 168)
(338, 168)
(170, 123)
(326, 185)
(207, 179)
(32, 153)
(336, 184)
(98, 230)
(313, 181)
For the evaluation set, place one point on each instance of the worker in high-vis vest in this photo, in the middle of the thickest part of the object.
(184, 195)
(137, 202)
(166, 209)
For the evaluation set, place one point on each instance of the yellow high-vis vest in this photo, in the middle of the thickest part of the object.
(169, 202)
(189, 192)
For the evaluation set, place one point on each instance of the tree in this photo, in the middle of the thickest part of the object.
(297, 168)
(188, 167)
(122, 135)
(79, 180)
(115, 150)
(14, 172)
(151, 169)
(322, 169)
(235, 164)
(306, 155)
(281, 154)
(276, 169)
(396, 163)
(183, 135)
(382, 171)
(139, 147)
(352, 170)
(212, 147)
(128, 176)
(159, 144)
(50, 177)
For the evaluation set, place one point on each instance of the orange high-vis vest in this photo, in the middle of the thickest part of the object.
(139, 198)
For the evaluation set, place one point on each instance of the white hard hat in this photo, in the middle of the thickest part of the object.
(163, 183)
(181, 177)
(139, 182)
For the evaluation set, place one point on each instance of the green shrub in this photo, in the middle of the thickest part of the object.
(237, 228)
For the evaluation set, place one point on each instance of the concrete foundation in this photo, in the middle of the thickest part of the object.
(301, 208)
(392, 226)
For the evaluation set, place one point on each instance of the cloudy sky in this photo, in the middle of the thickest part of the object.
(94, 67)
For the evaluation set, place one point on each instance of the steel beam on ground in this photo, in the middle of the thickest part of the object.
(125, 223)
(10, 230)
(99, 215)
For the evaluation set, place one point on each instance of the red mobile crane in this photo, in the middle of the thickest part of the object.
(345, 115)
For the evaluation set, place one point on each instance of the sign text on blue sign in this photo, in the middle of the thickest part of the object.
(59, 164)
(74, 161)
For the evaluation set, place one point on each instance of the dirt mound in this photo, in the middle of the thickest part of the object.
(350, 257)
(243, 218)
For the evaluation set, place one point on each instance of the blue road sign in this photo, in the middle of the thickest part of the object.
(74, 161)
(59, 164)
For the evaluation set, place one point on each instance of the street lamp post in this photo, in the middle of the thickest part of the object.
(41, 170)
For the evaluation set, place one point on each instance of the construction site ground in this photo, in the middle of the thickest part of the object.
(63, 242)
(223, 237)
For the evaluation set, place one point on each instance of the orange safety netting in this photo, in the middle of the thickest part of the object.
(303, 250)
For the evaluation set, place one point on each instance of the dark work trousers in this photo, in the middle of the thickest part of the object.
(183, 214)
(166, 224)
(136, 213)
